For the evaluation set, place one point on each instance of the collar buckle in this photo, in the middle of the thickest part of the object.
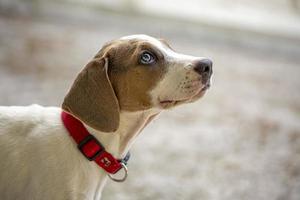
(90, 141)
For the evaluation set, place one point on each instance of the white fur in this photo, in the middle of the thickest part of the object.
(39, 160)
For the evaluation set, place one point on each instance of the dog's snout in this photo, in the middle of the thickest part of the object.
(203, 66)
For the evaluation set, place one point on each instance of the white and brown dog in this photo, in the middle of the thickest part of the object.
(115, 96)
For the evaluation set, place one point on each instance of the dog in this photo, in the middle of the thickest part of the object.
(128, 83)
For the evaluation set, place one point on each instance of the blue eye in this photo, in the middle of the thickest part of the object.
(147, 58)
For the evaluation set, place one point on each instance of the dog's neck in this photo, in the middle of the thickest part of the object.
(119, 142)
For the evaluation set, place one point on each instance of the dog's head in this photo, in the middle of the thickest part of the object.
(135, 73)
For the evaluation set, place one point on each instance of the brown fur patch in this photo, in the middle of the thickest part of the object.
(92, 99)
(131, 80)
(114, 80)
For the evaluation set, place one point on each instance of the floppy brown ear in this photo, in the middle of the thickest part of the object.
(92, 99)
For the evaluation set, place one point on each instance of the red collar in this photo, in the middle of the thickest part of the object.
(90, 147)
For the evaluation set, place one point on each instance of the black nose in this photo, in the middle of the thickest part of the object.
(203, 66)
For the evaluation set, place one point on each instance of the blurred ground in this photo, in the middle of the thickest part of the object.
(240, 142)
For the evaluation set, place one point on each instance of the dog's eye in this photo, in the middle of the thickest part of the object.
(147, 58)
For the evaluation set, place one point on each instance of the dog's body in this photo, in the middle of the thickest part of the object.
(39, 160)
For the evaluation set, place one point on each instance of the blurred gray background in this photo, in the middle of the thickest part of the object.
(240, 142)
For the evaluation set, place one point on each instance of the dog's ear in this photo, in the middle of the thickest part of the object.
(92, 99)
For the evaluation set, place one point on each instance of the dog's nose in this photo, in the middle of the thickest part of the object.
(203, 66)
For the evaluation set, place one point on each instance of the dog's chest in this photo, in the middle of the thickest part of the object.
(41, 160)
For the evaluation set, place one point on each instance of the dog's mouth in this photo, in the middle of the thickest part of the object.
(172, 103)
